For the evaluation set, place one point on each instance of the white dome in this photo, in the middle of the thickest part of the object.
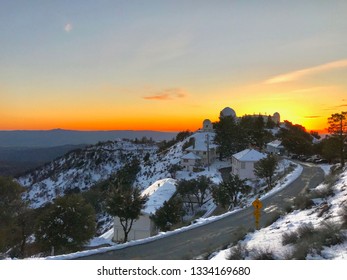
(206, 122)
(207, 125)
(228, 112)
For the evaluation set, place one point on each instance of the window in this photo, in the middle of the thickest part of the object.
(243, 165)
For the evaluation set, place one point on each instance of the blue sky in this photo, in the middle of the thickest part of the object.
(85, 64)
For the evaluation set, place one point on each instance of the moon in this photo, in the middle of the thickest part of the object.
(68, 27)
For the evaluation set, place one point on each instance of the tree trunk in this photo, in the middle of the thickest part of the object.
(125, 230)
(125, 237)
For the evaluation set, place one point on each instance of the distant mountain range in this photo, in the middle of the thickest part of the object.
(60, 137)
(16, 160)
(22, 150)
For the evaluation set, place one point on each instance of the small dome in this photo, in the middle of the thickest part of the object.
(207, 125)
(206, 122)
(227, 112)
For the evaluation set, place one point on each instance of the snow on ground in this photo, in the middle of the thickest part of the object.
(270, 238)
(289, 178)
(80, 169)
(285, 181)
(213, 172)
(326, 168)
(159, 167)
(158, 193)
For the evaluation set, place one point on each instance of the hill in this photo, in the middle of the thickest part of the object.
(79, 170)
(316, 229)
(97, 165)
(60, 137)
(17, 160)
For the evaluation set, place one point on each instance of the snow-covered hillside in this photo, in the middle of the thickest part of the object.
(313, 233)
(81, 169)
(162, 165)
(159, 166)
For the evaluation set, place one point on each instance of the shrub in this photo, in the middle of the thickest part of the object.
(300, 251)
(305, 231)
(323, 192)
(312, 240)
(287, 208)
(331, 179)
(302, 202)
(329, 234)
(238, 252)
(289, 238)
(262, 254)
(344, 215)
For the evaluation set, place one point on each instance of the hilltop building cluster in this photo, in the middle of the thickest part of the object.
(200, 154)
(228, 112)
(203, 152)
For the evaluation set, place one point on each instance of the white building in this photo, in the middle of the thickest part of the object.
(201, 153)
(158, 193)
(207, 126)
(227, 112)
(243, 163)
(189, 161)
(275, 147)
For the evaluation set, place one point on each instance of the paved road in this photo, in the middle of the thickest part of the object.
(215, 235)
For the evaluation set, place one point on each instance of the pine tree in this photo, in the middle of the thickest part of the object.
(265, 168)
(11, 208)
(201, 189)
(296, 139)
(169, 214)
(228, 192)
(229, 136)
(338, 129)
(126, 203)
(66, 225)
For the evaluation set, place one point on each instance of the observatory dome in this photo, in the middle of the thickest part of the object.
(227, 112)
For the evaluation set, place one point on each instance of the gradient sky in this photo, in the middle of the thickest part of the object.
(168, 65)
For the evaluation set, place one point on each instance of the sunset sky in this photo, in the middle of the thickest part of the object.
(168, 65)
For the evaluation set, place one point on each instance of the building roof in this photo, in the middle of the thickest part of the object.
(201, 142)
(190, 156)
(159, 192)
(275, 144)
(249, 155)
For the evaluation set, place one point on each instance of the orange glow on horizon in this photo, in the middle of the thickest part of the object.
(111, 112)
(164, 124)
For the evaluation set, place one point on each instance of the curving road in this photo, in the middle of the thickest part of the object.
(212, 236)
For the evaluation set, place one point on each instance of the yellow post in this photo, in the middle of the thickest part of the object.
(257, 204)
(256, 215)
